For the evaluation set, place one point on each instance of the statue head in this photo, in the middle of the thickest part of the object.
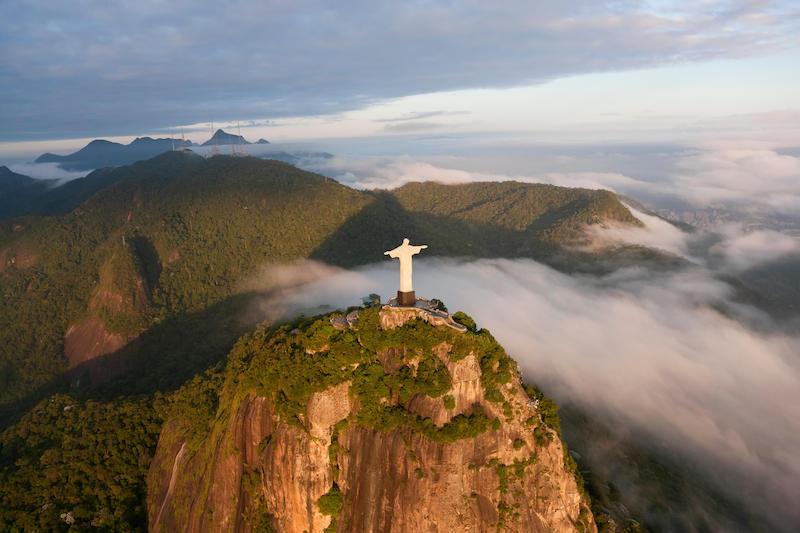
(406, 241)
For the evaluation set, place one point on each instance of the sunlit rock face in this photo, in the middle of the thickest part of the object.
(443, 471)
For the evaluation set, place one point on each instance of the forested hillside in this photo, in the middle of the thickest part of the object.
(24, 196)
(174, 236)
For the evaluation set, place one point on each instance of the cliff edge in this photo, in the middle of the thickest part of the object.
(316, 428)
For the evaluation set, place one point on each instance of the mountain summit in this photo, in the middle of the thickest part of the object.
(373, 421)
(221, 137)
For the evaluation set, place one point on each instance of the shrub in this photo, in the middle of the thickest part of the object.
(465, 320)
(449, 402)
(331, 502)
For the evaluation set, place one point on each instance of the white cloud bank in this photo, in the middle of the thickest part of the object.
(657, 233)
(742, 251)
(731, 248)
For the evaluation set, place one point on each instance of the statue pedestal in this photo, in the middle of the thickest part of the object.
(407, 299)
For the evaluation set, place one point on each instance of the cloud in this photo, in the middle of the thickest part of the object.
(742, 251)
(418, 115)
(657, 233)
(649, 351)
(47, 171)
(405, 127)
(99, 68)
(731, 248)
(740, 177)
(392, 172)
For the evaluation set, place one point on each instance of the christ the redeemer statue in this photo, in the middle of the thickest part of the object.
(404, 252)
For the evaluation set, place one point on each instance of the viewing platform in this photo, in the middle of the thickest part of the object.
(394, 315)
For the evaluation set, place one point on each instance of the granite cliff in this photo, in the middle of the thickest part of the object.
(384, 424)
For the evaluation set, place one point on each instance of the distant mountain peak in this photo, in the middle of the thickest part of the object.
(262, 141)
(102, 142)
(221, 137)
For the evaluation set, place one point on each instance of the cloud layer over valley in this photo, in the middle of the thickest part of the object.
(651, 351)
(748, 181)
(48, 171)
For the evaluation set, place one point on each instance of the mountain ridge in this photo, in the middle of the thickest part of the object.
(151, 244)
(221, 137)
(101, 153)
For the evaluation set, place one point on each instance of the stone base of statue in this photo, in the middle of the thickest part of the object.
(406, 299)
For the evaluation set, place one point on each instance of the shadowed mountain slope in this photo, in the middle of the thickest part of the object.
(101, 153)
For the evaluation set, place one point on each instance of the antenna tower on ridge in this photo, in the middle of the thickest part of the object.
(214, 147)
(240, 141)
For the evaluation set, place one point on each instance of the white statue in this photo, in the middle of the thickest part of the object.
(404, 252)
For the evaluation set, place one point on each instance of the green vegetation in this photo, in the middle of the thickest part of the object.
(334, 447)
(497, 369)
(196, 403)
(330, 503)
(73, 461)
(460, 427)
(449, 402)
(511, 218)
(289, 368)
(465, 320)
(156, 228)
(24, 196)
(548, 409)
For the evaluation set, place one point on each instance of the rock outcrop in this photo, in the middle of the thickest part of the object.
(88, 339)
(430, 436)
(393, 315)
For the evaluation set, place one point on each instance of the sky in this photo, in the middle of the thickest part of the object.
(573, 71)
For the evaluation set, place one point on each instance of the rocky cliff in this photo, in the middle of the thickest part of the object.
(316, 428)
